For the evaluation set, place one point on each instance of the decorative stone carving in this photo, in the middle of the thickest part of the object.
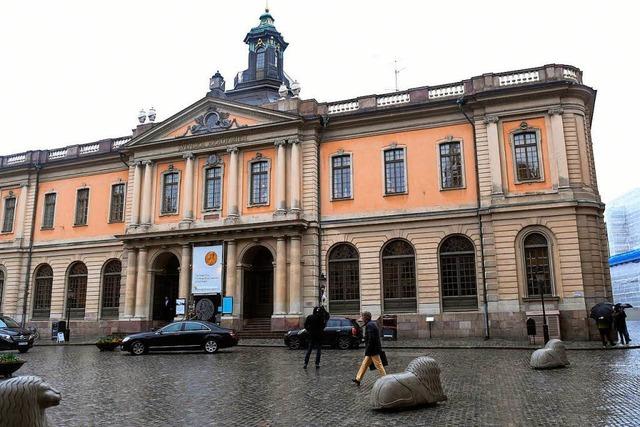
(557, 110)
(418, 385)
(212, 121)
(24, 399)
(553, 355)
(491, 119)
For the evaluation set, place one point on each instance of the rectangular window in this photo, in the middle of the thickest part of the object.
(49, 210)
(450, 165)
(394, 171)
(260, 60)
(259, 182)
(170, 193)
(526, 156)
(341, 178)
(82, 206)
(213, 188)
(117, 203)
(9, 214)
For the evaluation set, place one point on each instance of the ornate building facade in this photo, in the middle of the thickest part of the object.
(460, 202)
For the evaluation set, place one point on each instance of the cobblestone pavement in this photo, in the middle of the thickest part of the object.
(248, 386)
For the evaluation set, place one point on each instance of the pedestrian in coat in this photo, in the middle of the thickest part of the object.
(620, 323)
(373, 348)
(604, 327)
(315, 324)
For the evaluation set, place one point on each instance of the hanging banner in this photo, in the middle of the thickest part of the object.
(206, 277)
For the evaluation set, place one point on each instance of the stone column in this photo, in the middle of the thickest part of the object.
(232, 261)
(559, 147)
(130, 287)
(493, 142)
(295, 175)
(142, 308)
(295, 282)
(21, 210)
(281, 177)
(232, 192)
(147, 193)
(185, 270)
(279, 302)
(135, 200)
(187, 209)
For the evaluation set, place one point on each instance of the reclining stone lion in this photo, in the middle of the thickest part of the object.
(418, 385)
(23, 401)
(553, 355)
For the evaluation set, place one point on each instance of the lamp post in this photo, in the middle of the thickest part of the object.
(545, 327)
(67, 331)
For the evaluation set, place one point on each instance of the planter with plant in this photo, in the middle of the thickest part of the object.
(108, 343)
(9, 363)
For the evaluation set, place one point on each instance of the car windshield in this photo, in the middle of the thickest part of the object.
(7, 322)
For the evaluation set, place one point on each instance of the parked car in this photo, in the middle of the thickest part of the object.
(183, 335)
(340, 332)
(13, 337)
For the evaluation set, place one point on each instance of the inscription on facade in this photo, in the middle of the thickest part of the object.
(214, 143)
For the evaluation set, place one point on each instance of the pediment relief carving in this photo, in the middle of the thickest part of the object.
(212, 121)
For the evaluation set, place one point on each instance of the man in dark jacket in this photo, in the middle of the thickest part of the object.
(314, 324)
(620, 323)
(372, 350)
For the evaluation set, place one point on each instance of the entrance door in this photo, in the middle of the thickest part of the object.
(165, 286)
(258, 283)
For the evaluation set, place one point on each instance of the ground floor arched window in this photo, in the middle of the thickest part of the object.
(42, 292)
(537, 264)
(458, 274)
(76, 290)
(344, 280)
(399, 277)
(111, 275)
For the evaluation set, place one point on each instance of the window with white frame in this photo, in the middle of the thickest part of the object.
(49, 210)
(170, 182)
(82, 206)
(341, 176)
(9, 214)
(526, 155)
(213, 188)
(394, 171)
(116, 213)
(259, 192)
(451, 172)
(537, 264)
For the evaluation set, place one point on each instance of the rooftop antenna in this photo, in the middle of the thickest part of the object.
(266, 6)
(396, 72)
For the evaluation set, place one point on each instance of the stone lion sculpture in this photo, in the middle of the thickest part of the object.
(23, 401)
(553, 355)
(418, 385)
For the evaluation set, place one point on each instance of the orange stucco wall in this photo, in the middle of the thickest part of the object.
(3, 195)
(525, 187)
(182, 130)
(247, 156)
(161, 168)
(423, 175)
(98, 214)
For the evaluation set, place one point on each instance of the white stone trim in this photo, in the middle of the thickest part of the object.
(89, 148)
(446, 91)
(518, 78)
(398, 98)
(57, 154)
(343, 107)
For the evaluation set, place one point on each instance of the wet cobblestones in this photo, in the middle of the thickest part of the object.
(247, 386)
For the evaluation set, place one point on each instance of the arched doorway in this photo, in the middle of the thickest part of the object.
(258, 283)
(166, 276)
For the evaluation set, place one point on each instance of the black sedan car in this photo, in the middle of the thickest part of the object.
(13, 337)
(340, 332)
(183, 335)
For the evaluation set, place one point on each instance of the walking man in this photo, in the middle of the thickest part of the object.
(314, 324)
(373, 348)
(620, 323)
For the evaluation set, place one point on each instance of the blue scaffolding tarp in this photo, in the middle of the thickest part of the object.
(625, 257)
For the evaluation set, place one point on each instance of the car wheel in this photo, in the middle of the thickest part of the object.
(344, 343)
(23, 350)
(211, 346)
(138, 348)
(295, 343)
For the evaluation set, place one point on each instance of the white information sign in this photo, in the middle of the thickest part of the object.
(60, 336)
(206, 277)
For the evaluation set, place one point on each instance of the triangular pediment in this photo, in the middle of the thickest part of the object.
(210, 116)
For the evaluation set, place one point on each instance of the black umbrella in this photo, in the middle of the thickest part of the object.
(626, 306)
(602, 309)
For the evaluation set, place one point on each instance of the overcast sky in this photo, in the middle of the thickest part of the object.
(79, 71)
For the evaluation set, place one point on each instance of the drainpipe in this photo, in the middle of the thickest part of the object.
(27, 276)
(324, 121)
(487, 333)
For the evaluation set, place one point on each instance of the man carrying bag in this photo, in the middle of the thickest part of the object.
(373, 351)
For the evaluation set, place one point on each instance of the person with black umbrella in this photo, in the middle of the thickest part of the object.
(620, 323)
(603, 315)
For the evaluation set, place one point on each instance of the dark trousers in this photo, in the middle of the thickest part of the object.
(624, 334)
(317, 343)
(604, 336)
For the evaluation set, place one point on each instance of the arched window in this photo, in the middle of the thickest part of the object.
(399, 277)
(344, 280)
(111, 289)
(458, 274)
(1, 288)
(537, 265)
(76, 290)
(42, 292)
(260, 60)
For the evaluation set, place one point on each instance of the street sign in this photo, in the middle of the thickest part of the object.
(180, 302)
